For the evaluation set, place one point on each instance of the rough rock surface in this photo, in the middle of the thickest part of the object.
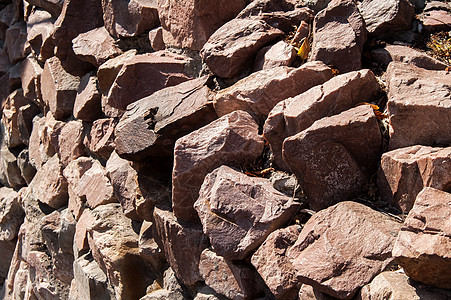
(385, 16)
(272, 263)
(238, 212)
(296, 114)
(87, 105)
(259, 92)
(404, 172)
(231, 140)
(325, 258)
(394, 285)
(31, 79)
(334, 158)
(189, 24)
(231, 48)
(423, 244)
(338, 36)
(67, 138)
(417, 99)
(182, 245)
(151, 125)
(159, 69)
(406, 55)
(100, 140)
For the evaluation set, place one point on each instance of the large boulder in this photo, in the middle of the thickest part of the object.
(259, 92)
(404, 172)
(424, 242)
(336, 251)
(145, 74)
(238, 212)
(338, 36)
(328, 159)
(189, 24)
(231, 140)
(182, 245)
(151, 125)
(417, 99)
(296, 114)
(273, 265)
(231, 49)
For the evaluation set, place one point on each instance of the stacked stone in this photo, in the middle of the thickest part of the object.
(181, 150)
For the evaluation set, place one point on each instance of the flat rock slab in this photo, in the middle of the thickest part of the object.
(398, 286)
(95, 46)
(182, 245)
(238, 212)
(272, 263)
(114, 246)
(419, 106)
(108, 71)
(296, 114)
(423, 246)
(338, 36)
(87, 105)
(151, 125)
(404, 172)
(259, 92)
(145, 74)
(334, 158)
(231, 49)
(129, 18)
(436, 20)
(407, 55)
(383, 17)
(336, 252)
(230, 140)
(30, 74)
(189, 23)
(59, 88)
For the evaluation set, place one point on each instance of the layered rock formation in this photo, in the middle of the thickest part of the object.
(235, 149)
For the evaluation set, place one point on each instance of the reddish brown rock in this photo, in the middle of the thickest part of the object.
(31, 79)
(26, 169)
(114, 246)
(58, 229)
(272, 264)
(259, 92)
(15, 39)
(95, 46)
(230, 50)
(407, 55)
(418, 98)
(277, 55)
(151, 125)
(398, 286)
(49, 185)
(423, 244)
(73, 172)
(129, 18)
(296, 114)
(87, 105)
(10, 113)
(101, 138)
(10, 175)
(59, 89)
(338, 36)
(436, 20)
(231, 140)
(149, 248)
(189, 24)
(238, 212)
(108, 71)
(11, 217)
(67, 138)
(331, 164)
(182, 245)
(404, 172)
(158, 70)
(52, 6)
(382, 17)
(327, 258)
(307, 292)
(85, 221)
(233, 279)
(25, 117)
(95, 186)
(156, 39)
(39, 29)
